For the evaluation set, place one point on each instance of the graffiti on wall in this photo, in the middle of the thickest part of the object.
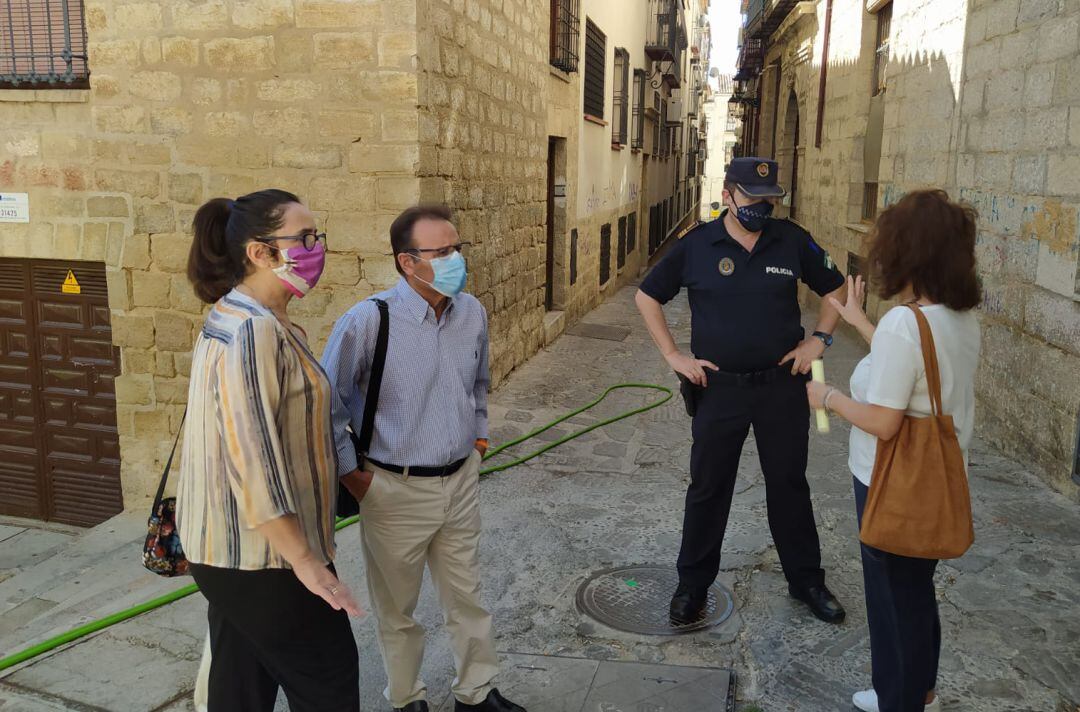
(609, 196)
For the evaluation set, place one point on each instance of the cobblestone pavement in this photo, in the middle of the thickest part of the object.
(1009, 608)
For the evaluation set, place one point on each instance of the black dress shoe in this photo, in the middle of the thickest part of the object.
(821, 602)
(687, 605)
(415, 706)
(493, 703)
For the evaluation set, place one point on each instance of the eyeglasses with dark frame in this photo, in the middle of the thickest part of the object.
(309, 239)
(437, 251)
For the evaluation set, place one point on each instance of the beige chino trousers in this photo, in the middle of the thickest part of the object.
(405, 523)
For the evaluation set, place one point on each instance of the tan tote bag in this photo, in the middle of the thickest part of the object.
(919, 504)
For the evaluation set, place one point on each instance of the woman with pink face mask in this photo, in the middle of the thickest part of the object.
(257, 489)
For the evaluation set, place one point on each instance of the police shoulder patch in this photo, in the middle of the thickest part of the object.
(688, 229)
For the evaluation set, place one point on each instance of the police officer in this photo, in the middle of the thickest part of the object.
(747, 368)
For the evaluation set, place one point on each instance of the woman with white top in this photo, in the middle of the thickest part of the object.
(922, 251)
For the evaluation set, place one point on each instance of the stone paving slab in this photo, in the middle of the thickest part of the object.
(1010, 628)
(545, 683)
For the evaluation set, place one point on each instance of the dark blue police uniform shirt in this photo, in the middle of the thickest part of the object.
(749, 319)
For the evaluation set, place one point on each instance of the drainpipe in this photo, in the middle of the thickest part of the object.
(824, 73)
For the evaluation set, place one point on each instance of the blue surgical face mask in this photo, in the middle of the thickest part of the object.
(450, 274)
(753, 217)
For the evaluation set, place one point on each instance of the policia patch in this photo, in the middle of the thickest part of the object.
(727, 266)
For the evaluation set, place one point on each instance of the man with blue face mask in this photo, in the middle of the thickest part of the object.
(748, 367)
(417, 481)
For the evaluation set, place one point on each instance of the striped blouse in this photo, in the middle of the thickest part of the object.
(257, 443)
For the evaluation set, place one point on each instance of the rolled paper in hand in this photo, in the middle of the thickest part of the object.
(817, 368)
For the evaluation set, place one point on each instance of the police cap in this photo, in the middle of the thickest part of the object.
(755, 177)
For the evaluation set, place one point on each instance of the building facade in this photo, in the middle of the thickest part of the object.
(121, 118)
(625, 128)
(722, 137)
(863, 100)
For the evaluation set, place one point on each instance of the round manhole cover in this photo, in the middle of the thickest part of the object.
(635, 599)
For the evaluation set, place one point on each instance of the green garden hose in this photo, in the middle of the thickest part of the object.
(102, 623)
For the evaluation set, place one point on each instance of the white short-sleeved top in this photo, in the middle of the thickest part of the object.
(893, 375)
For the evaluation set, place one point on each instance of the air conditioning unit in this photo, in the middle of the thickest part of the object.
(675, 111)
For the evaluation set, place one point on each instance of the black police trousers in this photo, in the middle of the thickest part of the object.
(780, 414)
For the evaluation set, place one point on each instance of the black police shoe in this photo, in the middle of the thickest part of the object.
(493, 703)
(821, 602)
(417, 706)
(687, 605)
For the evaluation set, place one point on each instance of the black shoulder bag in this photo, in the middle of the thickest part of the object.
(162, 552)
(347, 506)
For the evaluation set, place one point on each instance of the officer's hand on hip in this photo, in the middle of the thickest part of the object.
(803, 355)
(692, 368)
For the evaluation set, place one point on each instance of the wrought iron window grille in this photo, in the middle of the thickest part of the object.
(43, 45)
(565, 31)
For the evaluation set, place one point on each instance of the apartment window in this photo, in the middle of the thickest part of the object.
(43, 45)
(631, 232)
(869, 202)
(595, 52)
(565, 30)
(665, 130)
(881, 49)
(637, 137)
(573, 257)
(605, 254)
(620, 256)
(621, 100)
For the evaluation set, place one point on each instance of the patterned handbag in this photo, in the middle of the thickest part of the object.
(162, 552)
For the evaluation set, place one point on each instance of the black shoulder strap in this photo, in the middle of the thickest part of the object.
(378, 361)
(168, 465)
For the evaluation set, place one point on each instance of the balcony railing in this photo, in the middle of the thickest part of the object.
(751, 59)
(764, 16)
(665, 37)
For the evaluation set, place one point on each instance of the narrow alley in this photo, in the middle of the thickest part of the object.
(614, 497)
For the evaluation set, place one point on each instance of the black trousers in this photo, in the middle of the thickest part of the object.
(905, 631)
(780, 415)
(268, 631)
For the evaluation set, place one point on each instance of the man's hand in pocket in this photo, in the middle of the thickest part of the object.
(357, 482)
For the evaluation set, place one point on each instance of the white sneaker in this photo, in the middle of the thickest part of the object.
(866, 700)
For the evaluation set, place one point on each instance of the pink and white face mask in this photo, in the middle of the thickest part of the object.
(301, 268)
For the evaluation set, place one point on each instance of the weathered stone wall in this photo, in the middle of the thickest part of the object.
(979, 102)
(1018, 162)
(195, 100)
(483, 151)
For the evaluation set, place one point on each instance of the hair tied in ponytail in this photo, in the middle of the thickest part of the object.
(217, 261)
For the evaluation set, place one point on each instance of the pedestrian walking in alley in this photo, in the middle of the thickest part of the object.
(258, 480)
(748, 367)
(923, 253)
(417, 478)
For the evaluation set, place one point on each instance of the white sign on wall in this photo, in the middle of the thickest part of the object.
(14, 208)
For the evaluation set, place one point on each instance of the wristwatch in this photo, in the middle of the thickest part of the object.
(825, 338)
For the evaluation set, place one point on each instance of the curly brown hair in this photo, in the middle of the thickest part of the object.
(928, 241)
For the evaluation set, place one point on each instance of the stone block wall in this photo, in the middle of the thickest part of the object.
(483, 151)
(193, 100)
(1017, 160)
(979, 102)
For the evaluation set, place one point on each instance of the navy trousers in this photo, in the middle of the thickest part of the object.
(780, 415)
(905, 631)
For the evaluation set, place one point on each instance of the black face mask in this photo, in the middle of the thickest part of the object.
(753, 217)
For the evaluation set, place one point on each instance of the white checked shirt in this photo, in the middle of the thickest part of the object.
(433, 399)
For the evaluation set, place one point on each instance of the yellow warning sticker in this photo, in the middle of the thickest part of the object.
(71, 285)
